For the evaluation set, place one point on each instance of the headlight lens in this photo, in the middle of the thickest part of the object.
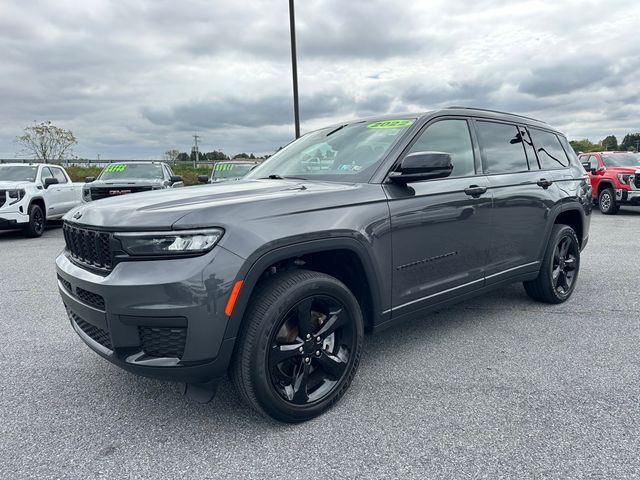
(625, 178)
(170, 243)
(86, 194)
(15, 196)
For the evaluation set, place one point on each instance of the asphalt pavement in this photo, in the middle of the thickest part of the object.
(497, 387)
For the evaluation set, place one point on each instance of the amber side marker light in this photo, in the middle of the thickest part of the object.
(235, 291)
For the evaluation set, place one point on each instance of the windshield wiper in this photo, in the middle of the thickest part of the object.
(280, 177)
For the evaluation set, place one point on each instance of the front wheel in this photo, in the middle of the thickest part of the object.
(37, 220)
(299, 346)
(559, 270)
(607, 202)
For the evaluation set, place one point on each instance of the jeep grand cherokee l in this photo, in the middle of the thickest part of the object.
(275, 277)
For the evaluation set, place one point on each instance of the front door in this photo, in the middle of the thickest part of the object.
(441, 227)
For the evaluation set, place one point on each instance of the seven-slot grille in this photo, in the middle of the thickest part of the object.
(104, 192)
(89, 247)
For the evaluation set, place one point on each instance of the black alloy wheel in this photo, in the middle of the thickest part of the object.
(37, 221)
(559, 268)
(310, 350)
(299, 345)
(565, 263)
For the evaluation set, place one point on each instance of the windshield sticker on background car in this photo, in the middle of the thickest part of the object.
(224, 167)
(115, 167)
(390, 124)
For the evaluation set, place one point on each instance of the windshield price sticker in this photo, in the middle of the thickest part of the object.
(224, 167)
(115, 167)
(390, 124)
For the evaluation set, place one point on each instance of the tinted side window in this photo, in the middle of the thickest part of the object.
(549, 150)
(528, 148)
(502, 148)
(57, 173)
(453, 137)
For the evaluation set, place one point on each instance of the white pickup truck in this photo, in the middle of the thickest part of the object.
(31, 194)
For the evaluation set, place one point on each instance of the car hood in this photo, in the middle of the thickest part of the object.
(125, 183)
(12, 185)
(218, 204)
(624, 169)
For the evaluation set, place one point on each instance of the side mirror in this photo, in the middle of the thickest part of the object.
(175, 179)
(203, 178)
(422, 166)
(50, 181)
(89, 179)
(586, 166)
(592, 171)
(600, 171)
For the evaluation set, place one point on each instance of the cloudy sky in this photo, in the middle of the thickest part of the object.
(134, 78)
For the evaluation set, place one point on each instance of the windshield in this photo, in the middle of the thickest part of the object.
(130, 171)
(231, 170)
(346, 153)
(18, 173)
(621, 160)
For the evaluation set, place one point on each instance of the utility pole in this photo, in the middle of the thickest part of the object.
(197, 158)
(294, 67)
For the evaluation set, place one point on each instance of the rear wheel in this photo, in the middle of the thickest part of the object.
(559, 270)
(37, 220)
(299, 347)
(607, 202)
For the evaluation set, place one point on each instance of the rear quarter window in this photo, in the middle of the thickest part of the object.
(550, 153)
(502, 148)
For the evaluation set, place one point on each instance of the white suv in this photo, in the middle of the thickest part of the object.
(31, 194)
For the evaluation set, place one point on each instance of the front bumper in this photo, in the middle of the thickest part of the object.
(12, 218)
(163, 318)
(629, 197)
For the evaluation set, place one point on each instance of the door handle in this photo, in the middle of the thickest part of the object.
(544, 183)
(475, 191)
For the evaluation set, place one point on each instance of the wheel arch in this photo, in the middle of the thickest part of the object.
(351, 256)
(573, 218)
(603, 184)
(40, 202)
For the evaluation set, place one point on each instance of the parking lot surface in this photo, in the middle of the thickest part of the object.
(495, 387)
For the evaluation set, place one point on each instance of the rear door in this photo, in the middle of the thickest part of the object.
(440, 233)
(523, 197)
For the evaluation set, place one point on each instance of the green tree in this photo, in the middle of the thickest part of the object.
(46, 142)
(584, 145)
(215, 156)
(630, 142)
(610, 142)
(183, 157)
(241, 155)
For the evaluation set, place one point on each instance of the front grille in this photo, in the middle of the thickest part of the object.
(104, 192)
(90, 298)
(3, 197)
(163, 342)
(96, 333)
(65, 284)
(637, 182)
(89, 247)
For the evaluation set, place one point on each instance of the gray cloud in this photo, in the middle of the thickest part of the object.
(132, 79)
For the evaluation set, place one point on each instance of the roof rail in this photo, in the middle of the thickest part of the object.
(495, 111)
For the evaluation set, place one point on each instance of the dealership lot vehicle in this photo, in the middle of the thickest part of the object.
(277, 276)
(615, 179)
(228, 170)
(130, 177)
(32, 194)
(497, 387)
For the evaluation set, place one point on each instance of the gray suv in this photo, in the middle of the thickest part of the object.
(276, 277)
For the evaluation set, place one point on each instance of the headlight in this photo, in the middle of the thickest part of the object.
(170, 243)
(86, 194)
(15, 196)
(626, 178)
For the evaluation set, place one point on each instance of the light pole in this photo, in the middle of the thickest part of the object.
(294, 67)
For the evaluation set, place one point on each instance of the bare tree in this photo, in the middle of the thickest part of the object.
(171, 155)
(46, 142)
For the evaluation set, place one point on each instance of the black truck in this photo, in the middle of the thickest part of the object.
(122, 178)
(275, 278)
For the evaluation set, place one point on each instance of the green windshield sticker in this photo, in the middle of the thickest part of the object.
(115, 167)
(390, 124)
(224, 167)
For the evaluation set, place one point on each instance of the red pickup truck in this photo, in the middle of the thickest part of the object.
(615, 179)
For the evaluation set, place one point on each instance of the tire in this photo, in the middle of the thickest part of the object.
(607, 202)
(290, 365)
(37, 221)
(560, 267)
